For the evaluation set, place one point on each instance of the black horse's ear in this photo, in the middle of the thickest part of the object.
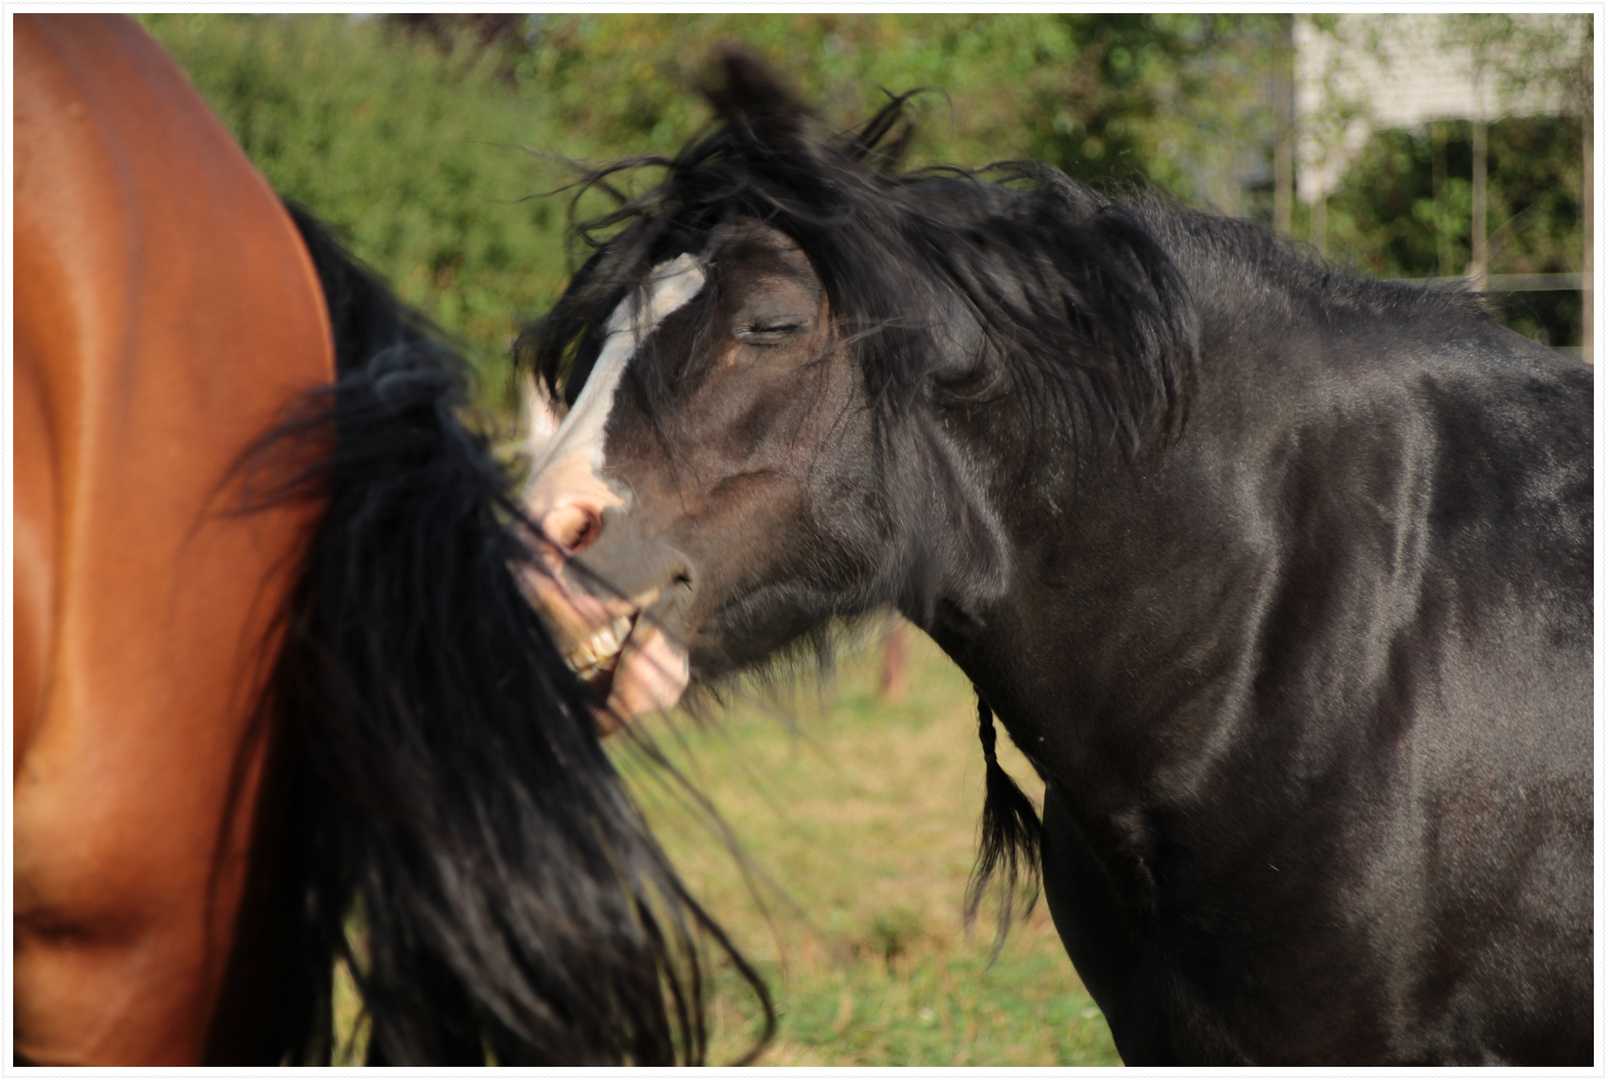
(743, 89)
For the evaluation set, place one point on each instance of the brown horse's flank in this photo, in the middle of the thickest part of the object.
(139, 608)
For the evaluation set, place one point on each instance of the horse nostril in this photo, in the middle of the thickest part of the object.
(574, 527)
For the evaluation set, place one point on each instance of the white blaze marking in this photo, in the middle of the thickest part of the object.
(580, 437)
(541, 416)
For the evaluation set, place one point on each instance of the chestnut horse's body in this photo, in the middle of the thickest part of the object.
(273, 663)
(153, 267)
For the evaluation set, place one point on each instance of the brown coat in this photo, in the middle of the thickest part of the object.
(166, 312)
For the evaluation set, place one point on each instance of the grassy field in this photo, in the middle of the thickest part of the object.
(859, 818)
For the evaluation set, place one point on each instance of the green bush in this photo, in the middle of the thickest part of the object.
(414, 153)
(1388, 219)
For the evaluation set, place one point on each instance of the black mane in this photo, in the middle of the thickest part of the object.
(1044, 266)
(1250, 266)
(1084, 298)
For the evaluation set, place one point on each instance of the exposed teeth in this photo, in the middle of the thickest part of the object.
(598, 655)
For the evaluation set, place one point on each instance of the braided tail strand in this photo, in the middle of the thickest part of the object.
(1010, 834)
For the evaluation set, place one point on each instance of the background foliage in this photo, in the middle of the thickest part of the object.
(410, 132)
(1389, 220)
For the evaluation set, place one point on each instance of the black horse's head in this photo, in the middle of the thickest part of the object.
(780, 372)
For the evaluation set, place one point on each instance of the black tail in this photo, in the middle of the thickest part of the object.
(1010, 835)
(455, 812)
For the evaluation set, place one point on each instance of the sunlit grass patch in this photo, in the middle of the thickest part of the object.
(860, 824)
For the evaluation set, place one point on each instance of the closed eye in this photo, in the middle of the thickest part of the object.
(769, 332)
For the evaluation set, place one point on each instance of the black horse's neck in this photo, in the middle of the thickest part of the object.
(1134, 586)
(1103, 600)
(1151, 601)
(1111, 638)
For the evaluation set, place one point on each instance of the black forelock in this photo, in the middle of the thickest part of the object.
(1068, 290)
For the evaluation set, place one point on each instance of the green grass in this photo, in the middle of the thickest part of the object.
(857, 819)
(860, 822)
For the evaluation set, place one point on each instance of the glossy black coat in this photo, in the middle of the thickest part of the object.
(1281, 578)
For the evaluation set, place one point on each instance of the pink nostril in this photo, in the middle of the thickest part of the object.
(573, 526)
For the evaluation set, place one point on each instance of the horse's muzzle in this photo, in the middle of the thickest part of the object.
(615, 615)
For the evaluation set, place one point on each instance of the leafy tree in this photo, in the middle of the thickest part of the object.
(1387, 218)
(1177, 101)
(1405, 207)
(412, 151)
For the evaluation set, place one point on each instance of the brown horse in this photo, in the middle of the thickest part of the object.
(139, 614)
(234, 730)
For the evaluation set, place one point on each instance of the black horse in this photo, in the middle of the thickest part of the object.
(1280, 578)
